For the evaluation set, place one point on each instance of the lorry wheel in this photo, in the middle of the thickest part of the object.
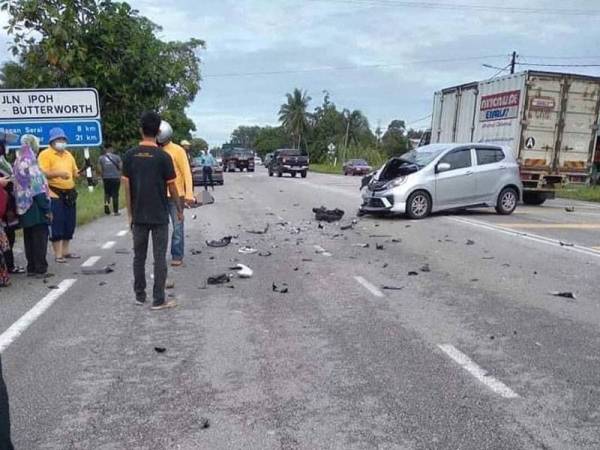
(418, 205)
(507, 201)
(303, 174)
(533, 198)
(280, 174)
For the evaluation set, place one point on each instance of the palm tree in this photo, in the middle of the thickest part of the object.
(293, 115)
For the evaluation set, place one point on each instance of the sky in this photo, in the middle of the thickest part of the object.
(383, 57)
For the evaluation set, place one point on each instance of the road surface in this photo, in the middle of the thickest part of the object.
(471, 352)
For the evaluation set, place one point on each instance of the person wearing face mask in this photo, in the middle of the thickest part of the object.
(61, 170)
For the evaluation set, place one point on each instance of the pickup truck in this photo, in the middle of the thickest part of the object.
(288, 161)
(238, 158)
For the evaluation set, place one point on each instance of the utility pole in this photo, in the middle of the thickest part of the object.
(513, 62)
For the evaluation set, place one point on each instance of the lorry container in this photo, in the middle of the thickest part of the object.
(549, 119)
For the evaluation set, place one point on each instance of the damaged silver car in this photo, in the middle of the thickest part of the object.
(442, 177)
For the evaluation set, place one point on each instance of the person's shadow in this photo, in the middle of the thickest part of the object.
(5, 442)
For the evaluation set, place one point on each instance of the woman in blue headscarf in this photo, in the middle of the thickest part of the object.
(33, 206)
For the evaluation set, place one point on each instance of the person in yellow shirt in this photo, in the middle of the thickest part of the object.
(61, 170)
(185, 188)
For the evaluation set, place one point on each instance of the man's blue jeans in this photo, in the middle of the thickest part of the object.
(177, 237)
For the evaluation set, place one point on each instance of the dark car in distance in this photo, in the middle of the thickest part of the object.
(288, 161)
(197, 177)
(238, 158)
(356, 167)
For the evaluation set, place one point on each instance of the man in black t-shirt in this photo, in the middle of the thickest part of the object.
(148, 173)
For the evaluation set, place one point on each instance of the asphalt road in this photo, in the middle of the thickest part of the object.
(473, 354)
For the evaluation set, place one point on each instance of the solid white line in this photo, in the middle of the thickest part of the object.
(369, 287)
(91, 261)
(321, 251)
(27, 319)
(108, 245)
(122, 233)
(466, 363)
(529, 236)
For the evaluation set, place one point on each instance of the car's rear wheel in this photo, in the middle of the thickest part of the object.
(533, 198)
(303, 174)
(418, 205)
(507, 201)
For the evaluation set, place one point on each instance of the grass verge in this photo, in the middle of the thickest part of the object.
(90, 205)
(326, 168)
(584, 193)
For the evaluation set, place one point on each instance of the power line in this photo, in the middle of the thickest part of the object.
(472, 7)
(558, 65)
(419, 120)
(560, 57)
(355, 67)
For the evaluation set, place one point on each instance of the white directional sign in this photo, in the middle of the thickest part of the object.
(48, 104)
(331, 147)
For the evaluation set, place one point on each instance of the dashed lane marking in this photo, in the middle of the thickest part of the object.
(27, 319)
(108, 245)
(91, 261)
(369, 287)
(549, 226)
(480, 374)
(321, 251)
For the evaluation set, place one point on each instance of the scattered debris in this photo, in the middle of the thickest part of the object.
(392, 288)
(243, 271)
(204, 423)
(385, 266)
(211, 258)
(379, 247)
(306, 260)
(247, 250)
(94, 271)
(169, 284)
(474, 280)
(122, 251)
(282, 290)
(347, 227)
(407, 226)
(160, 349)
(296, 205)
(425, 268)
(270, 214)
(263, 231)
(535, 272)
(223, 242)
(218, 279)
(470, 242)
(505, 265)
(296, 269)
(566, 294)
(380, 236)
(328, 215)
(320, 226)
(361, 245)
(267, 253)
(53, 286)
(413, 274)
(194, 216)
(488, 257)
(492, 338)
(195, 252)
(566, 244)
(570, 209)
(102, 283)
(396, 241)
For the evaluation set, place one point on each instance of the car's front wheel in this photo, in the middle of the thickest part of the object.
(507, 201)
(418, 205)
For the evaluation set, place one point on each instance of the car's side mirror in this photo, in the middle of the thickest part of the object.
(443, 167)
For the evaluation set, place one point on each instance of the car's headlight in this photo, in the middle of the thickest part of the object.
(396, 182)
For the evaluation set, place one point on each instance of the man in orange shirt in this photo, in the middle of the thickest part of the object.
(185, 188)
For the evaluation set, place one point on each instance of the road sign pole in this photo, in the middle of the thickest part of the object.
(88, 169)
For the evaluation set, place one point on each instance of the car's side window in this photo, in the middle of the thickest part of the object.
(458, 159)
(489, 156)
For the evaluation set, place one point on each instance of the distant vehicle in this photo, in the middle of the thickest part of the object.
(258, 161)
(548, 119)
(444, 176)
(288, 161)
(356, 167)
(268, 158)
(197, 173)
(238, 158)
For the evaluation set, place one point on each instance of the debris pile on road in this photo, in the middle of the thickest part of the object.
(263, 231)
(195, 252)
(392, 288)
(566, 294)
(247, 250)
(223, 242)
(282, 290)
(218, 279)
(323, 214)
(425, 268)
(160, 349)
(243, 271)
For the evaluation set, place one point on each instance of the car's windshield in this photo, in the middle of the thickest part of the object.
(424, 155)
(360, 162)
(289, 153)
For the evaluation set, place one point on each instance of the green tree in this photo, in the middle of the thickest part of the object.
(326, 126)
(394, 140)
(244, 136)
(109, 46)
(270, 139)
(294, 117)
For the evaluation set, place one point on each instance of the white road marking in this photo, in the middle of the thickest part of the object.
(321, 251)
(369, 287)
(108, 245)
(122, 233)
(91, 261)
(532, 237)
(27, 319)
(480, 374)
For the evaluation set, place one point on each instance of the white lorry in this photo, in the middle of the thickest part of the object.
(550, 120)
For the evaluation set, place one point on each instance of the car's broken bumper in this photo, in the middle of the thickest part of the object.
(381, 202)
